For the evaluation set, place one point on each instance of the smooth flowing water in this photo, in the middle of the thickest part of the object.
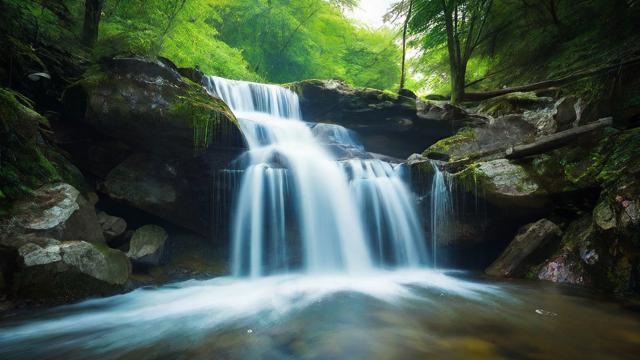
(328, 262)
(406, 314)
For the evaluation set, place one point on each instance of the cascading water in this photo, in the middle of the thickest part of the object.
(299, 207)
(440, 209)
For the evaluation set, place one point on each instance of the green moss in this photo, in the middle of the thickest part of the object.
(625, 158)
(511, 103)
(450, 144)
(23, 166)
(208, 115)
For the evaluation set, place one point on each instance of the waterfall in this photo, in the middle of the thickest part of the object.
(310, 198)
(441, 208)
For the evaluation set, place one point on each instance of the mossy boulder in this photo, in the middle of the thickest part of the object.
(513, 103)
(149, 106)
(29, 159)
(486, 139)
(504, 183)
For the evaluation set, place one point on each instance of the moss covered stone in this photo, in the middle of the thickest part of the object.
(454, 145)
(149, 106)
(504, 183)
(512, 103)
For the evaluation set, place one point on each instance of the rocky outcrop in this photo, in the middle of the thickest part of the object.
(149, 106)
(50, 270)
(387, 123)
(530, 238)
(147, 245)
(59, 211)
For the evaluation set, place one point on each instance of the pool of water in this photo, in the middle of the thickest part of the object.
(383, 315)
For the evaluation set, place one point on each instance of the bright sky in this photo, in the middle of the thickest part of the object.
(370, 12)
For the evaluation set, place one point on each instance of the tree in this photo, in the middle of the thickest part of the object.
(92, 13)
(459, 23)
(404, 45)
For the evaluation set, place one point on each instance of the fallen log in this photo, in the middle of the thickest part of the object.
(554, 141)
(479, 96)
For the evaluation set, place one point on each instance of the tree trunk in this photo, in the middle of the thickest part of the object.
(404, 45)
(92, 12)
(554, 141)
(458, 73)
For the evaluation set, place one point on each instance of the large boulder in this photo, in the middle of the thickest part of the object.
(485, 139)
(147, 245)
(530, 238)
(159, 186)
(513, 103)
(59, 211)
(59, 271)
(149, 106)
(504, 183)
(386, 123)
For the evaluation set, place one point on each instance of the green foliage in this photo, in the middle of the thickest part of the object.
(23, 165)
(286, 41)
(276, 41)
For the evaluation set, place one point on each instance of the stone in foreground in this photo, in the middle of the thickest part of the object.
(147, 245)
(530, 238)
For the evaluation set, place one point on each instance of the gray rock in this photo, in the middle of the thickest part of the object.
(60, 211)
(112, 226)
(147, 245)
(386, 123)
(504, 183)
(158, 187)
(53, 270)
(529, 238)
(565, 112)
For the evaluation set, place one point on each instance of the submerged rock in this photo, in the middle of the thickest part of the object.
(530, 238)
(147, 245)
(60, 211)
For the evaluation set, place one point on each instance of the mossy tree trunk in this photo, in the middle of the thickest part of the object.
(92, 13)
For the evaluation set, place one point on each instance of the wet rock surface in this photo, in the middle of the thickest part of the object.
(530, 238)
(60, 211)
(147, 245)
(386, 123)
(51, 271)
